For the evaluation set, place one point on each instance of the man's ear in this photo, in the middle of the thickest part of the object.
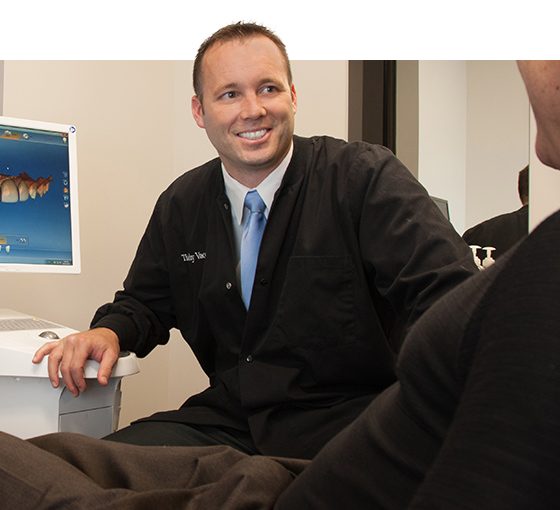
(197, 111)
(294, 97)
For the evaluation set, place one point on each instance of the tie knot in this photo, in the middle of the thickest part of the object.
(254, 202)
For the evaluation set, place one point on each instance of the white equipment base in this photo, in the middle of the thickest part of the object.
(30, 406)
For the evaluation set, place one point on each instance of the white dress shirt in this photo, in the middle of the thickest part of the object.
(236, 192)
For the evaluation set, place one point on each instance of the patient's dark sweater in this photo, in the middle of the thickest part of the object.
(474, 422)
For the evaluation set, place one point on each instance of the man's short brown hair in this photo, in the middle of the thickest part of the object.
(235, 31)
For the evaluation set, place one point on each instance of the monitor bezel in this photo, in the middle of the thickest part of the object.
(70, 131)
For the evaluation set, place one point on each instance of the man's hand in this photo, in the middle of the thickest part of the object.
(71, 353)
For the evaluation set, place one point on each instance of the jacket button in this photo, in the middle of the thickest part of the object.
(263, 282)
(249, 358)
(226, 206)
(228, 285)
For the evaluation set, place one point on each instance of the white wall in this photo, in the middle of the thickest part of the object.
(497, 138)
(135, 135)
(472, 130)
(442, 107)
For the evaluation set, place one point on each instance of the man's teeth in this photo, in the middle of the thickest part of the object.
(253, 135)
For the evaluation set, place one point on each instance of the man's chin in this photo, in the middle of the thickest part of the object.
(255, 163)
(548, 156)
(259, 166)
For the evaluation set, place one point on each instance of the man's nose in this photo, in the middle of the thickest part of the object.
(252, 107)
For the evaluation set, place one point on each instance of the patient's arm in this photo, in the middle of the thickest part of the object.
(502, 449)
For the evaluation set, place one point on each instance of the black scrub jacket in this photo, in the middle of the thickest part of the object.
(353, 253)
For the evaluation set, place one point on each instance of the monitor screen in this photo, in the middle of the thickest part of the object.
(38, 197)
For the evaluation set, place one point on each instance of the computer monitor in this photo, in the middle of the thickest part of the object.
(38, 197)
(443, 206)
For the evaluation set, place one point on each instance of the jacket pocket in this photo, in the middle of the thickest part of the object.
(316, 308)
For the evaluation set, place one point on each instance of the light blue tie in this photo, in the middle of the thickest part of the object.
(253, 229)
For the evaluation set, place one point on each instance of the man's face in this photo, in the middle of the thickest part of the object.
(248, 106)
(542, 79)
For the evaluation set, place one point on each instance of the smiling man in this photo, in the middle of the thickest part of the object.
(292, 266)
(247, 110)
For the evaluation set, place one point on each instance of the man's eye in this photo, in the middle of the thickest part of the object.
(269, 89)
(230, 94)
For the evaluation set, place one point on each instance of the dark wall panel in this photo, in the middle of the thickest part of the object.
(372, 101)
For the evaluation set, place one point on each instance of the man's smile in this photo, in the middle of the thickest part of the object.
(253, 135)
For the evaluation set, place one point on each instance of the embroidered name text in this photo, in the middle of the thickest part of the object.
(193, 257)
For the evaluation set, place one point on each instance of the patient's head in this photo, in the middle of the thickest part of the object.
(542, 79)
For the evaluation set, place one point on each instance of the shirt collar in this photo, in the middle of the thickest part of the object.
(236, 191)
